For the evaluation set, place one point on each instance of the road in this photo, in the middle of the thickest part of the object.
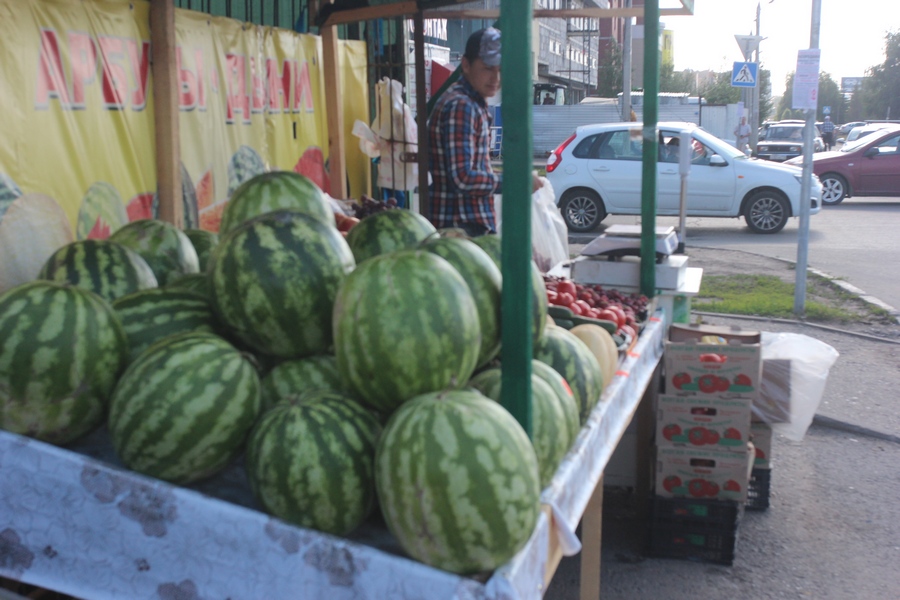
(857, 241)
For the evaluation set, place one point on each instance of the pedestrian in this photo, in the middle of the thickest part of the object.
(828, 133)
(742, 135)
(459, 139)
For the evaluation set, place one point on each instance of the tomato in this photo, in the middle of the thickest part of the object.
(712, 437)
(671, 430)
(568, 287)
(723, 384)
(712, 358)
(620, 314)
(552, 296)
(712, 488)
(743, 379)
(565, 298)
(585, 307)
(680, 379)
(671, 482)
(732, 486)
(708, 384)
(608, 315)
(697, 488)
(697, 436)
(576, 309)
(732, 434)
(629, 330)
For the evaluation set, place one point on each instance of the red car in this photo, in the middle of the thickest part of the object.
(869, 166)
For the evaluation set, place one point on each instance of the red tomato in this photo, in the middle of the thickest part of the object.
(723, 384)
(568, 287)
(680, 379)
(608, 315)
(697, 436)
(712, 358)
(620, 314)
(743, 379)
(671, 430)
(585, 307)
(708, 384)
(671, 482)
(565, 298)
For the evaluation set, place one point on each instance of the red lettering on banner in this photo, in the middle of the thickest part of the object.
(115, 81)
(187, 83)
(280, 86)
(259, 90)
(238, 101)
(201, 87)
(303, 90)
(140, 69)
(84, 65)
(51, 80)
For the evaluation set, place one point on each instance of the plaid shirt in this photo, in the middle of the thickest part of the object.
(463, 182)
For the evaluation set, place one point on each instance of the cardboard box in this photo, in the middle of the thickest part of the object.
(698, 422)
(762, 441)
(625, 271)
(773, 404)
(706, 474)
(729, 370)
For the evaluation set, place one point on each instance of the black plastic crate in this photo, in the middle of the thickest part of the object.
(702, 530)
(758, 489)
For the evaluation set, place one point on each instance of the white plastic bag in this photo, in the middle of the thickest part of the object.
(549, 235)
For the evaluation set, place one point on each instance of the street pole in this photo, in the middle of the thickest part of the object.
(754, 113)
(626, 67)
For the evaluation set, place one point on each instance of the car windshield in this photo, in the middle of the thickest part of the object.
(853, 145)
(785, 134)
(722, 148)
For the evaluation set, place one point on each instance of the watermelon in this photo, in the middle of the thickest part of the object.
(291, 378)
(150, 315)
(387, 231)
(183, 409)
(274, 281)
(244, 164)
(194, 282)
(102, 212)
(189, 202)
(203, 242)
(274, 191)
(310, 461)
(483, 278)
(457, 481)
(104, 267)
(550, 435)
(166, 248)
(572, 359)
(563, 392)
(34, 227)
(61, 350)
(405, 324)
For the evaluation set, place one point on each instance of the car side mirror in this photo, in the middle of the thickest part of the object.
(717, 161)
(873, 151)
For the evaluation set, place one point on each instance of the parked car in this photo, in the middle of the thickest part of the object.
(863, 131)
(869, 166)
(846, 127)
(784, 140)
(598, 171)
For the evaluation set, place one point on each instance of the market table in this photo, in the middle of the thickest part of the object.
(74, 520)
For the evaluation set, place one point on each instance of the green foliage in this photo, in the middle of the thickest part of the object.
(829, 95)
(721, 90)
(609, 75)
(879, 96)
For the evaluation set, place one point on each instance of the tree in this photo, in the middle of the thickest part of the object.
(721, 90)
(670, 81)
(879, 96)
(609, 75)
(829, 95)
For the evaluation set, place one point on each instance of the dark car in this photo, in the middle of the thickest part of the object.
(870, 166)
(783, 141)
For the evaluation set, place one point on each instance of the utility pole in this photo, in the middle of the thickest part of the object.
(626, 68)
(754, 111)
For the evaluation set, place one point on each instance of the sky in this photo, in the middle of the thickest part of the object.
(851, 35)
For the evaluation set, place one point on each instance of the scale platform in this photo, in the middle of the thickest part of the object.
(625, 240)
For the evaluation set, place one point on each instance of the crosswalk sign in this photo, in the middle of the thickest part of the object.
(743, 74)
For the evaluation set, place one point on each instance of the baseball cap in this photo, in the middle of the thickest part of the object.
(484, 44)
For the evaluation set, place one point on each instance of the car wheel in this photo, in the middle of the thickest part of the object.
(582, 210)
(834, 189)
(766, 212)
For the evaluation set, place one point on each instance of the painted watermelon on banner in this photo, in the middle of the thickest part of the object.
(312, 165)
(203, 243)
(151, 315)
(459, 467)
(33, 228)
(206, 194)
(141, 207)
(550, 434)
(310, 462)
(104, 267)
(387, 231)
(163, 246)
(102, 212)
(190, 214)
(563, 392)
(9, 191)
(483, 278)
(61, 350)
(211, 218)
(572, 359)
(291, 378)
(182, 411)
(275, 190)
(274, 280)
(244, 165)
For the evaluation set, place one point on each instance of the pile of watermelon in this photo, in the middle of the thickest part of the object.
(349, 371)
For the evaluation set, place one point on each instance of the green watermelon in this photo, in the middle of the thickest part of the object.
(483, 278)
(190, 211)
(61, 350)
(150, 315)
(101, 266)
(563, 392)
(166, 248)
(457, 481)
(193, 282)
(405, 324)
(274, 281)
(387, 231)
(102, 212)
(184, 408)
(550, 433)
(291, 378)
(203, 242)
(310, 461)
(244, 164)
(275, 191)
(572, 359)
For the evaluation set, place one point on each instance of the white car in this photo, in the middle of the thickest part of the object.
(598, 172)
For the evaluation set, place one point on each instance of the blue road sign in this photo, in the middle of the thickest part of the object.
(743, 74)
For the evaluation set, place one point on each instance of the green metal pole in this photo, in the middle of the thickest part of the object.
(650, 145)
(515, 22)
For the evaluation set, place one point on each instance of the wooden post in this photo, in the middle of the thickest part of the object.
(165, 102)
(421, 115)
(591, 544)
(336, 153)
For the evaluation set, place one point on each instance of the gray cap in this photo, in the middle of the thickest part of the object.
(484, 44)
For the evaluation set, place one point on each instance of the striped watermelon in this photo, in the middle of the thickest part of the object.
(102, 211)
(189, 202)
(457, 481)
(405, 324)
(387, 231)
(572, 359)
(274, 191)
(243, 165)
(310, 461)
(150, 315)
(194, 282)
(183, 409)
(106, 268)
(563, 392)
(290, 378)
(483, 278)
(274, 281)
(203, 242)
(550, 435)
(166, 248)
(61, 350)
